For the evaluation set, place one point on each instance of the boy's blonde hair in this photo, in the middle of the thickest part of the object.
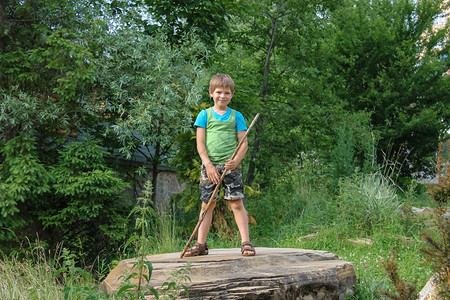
(221, 80)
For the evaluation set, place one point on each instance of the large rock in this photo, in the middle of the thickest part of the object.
(274, 273)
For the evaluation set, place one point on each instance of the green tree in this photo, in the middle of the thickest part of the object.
(86, 207)
(47, 59)
(281, 46)
(23, 182)
(149, 87)
(321, 64)
(177, 18)
(393, 66)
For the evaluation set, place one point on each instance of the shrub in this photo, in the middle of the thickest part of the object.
(85, 207)
(23, 181)
(367, 202)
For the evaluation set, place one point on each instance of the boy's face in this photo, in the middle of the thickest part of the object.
(221, 96)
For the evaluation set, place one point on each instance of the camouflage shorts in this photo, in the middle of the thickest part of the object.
(232, 184)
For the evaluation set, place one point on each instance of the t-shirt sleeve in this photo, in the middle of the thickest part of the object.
(240, 122)
(202, 119)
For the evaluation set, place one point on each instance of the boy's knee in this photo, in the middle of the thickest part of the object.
(237, 204)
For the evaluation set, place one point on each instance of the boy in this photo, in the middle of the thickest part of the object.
(219, 130)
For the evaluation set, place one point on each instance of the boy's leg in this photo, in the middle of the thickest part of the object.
(234, 192)
(204, 226)
(241, 218)
(206, 190)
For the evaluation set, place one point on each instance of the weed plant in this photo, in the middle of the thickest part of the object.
(145, 214)
(437, 246)
(136, 284)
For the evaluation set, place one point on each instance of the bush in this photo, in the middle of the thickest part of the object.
(366, 202)
(78, 200)
(86, 207)
(23, 181)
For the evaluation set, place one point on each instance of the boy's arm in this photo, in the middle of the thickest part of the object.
(231, 164)
(211, 171)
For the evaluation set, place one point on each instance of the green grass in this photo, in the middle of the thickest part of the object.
(367, 259)
(38, 276)
(36, 280)
(27, 280)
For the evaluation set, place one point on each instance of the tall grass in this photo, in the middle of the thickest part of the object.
(367, 202)
(38, 276)
(27, 280)
(167, 238)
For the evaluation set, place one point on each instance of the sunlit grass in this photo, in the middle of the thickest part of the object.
(28, 280)
(33, 275)
(367, 258)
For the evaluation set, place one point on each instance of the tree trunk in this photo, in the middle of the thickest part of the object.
(2, 24)
(262, 95)
(155, 171)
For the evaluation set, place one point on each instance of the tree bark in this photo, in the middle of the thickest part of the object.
(2, 24)
(155, 172)
(262, 94)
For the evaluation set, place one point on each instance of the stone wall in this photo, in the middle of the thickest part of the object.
(168, 186)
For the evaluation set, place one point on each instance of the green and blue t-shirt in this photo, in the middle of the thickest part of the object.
(221, 132)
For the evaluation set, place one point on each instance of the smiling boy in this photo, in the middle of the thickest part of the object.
(219, 129)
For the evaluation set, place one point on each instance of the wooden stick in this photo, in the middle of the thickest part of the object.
(203, 214)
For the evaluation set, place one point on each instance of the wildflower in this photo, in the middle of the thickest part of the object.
(365, 266)
(47, 267)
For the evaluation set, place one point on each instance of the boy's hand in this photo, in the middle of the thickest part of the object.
(231, 164)
(212, 173)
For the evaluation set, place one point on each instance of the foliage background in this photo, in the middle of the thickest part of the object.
(353, 97)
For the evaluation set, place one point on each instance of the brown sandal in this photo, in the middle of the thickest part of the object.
(197, 249)
(247, 246)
